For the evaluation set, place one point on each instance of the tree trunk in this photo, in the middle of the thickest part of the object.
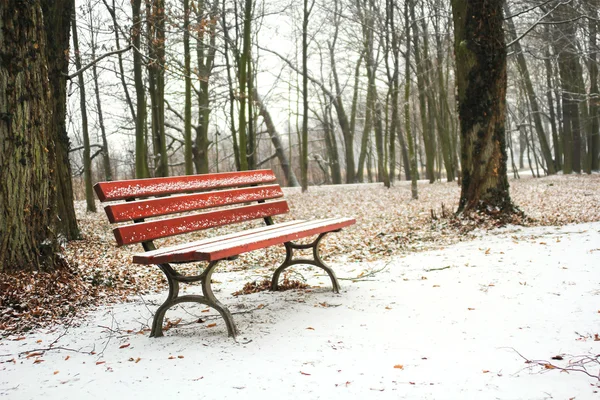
(332, 148)
(421, 76)
(205, 55)
(552, 115)
(481, 80)
(236, 148)
(276, 140)
(594, 143)
(242, 74)
(354, 107)
(338, 104)
(443, 109)
(87, 161)
(121, 74)
(156, 75)
(533, 103)
(104, 151)
(27, 149)
(141, 158)
(57, 22)
(569, 68)
(408, 4)
(187, 113)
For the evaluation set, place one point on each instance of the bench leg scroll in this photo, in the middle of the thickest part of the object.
(207, 297)
(316, 261)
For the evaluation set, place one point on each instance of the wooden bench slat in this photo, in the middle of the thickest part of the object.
(175, 204)
(145, 231)
(184, 252)
(228, 248)
(135, 188)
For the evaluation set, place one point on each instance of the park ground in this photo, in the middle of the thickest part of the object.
(431, 307)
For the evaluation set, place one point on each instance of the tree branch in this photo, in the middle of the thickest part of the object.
(76, 73)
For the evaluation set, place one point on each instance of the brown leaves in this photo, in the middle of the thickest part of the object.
(399, 366)
(265, 284)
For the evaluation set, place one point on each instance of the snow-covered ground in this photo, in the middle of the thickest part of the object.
(442, 324)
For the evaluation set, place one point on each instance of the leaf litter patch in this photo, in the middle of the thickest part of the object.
(389, 223)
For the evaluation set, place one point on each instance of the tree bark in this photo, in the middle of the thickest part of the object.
(87, 161)
(594, 103)
(187, 113)
(57, 23)
(141, 158)
(243, 83)
(27, 148)
(480, 54)
(155, 10)
(408, 4)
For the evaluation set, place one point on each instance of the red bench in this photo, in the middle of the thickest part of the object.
(253, 196)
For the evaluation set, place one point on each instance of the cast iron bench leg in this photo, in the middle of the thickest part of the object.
(316, 261)
(207, 297)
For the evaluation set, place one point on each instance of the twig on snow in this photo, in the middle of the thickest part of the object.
(576, 363)
(363, 275)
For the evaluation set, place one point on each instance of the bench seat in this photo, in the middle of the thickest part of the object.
(225, 246)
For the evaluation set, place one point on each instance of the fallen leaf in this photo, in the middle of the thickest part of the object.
(485, 371)
(180, 357)
(311, 328)
(19, 338)
(488, 251)
(412, 383)
(557, 358)
(260, 306)
(137, 360)
(470, 309)
(304, 373)
(67, 357)
(399, 366)
(171, 357)
(549, 366)
(596, 337)
(197, 379)
(436, 285)
(124, 346)
(39, 341)
(37, 353)
(211, 325)
(38, 361)
(55, 372)
(388, 307)
(423, 278)
(100, 362)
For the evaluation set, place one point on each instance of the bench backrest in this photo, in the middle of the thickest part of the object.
(188, 193)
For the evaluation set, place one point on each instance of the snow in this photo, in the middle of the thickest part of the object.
(440, 324)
